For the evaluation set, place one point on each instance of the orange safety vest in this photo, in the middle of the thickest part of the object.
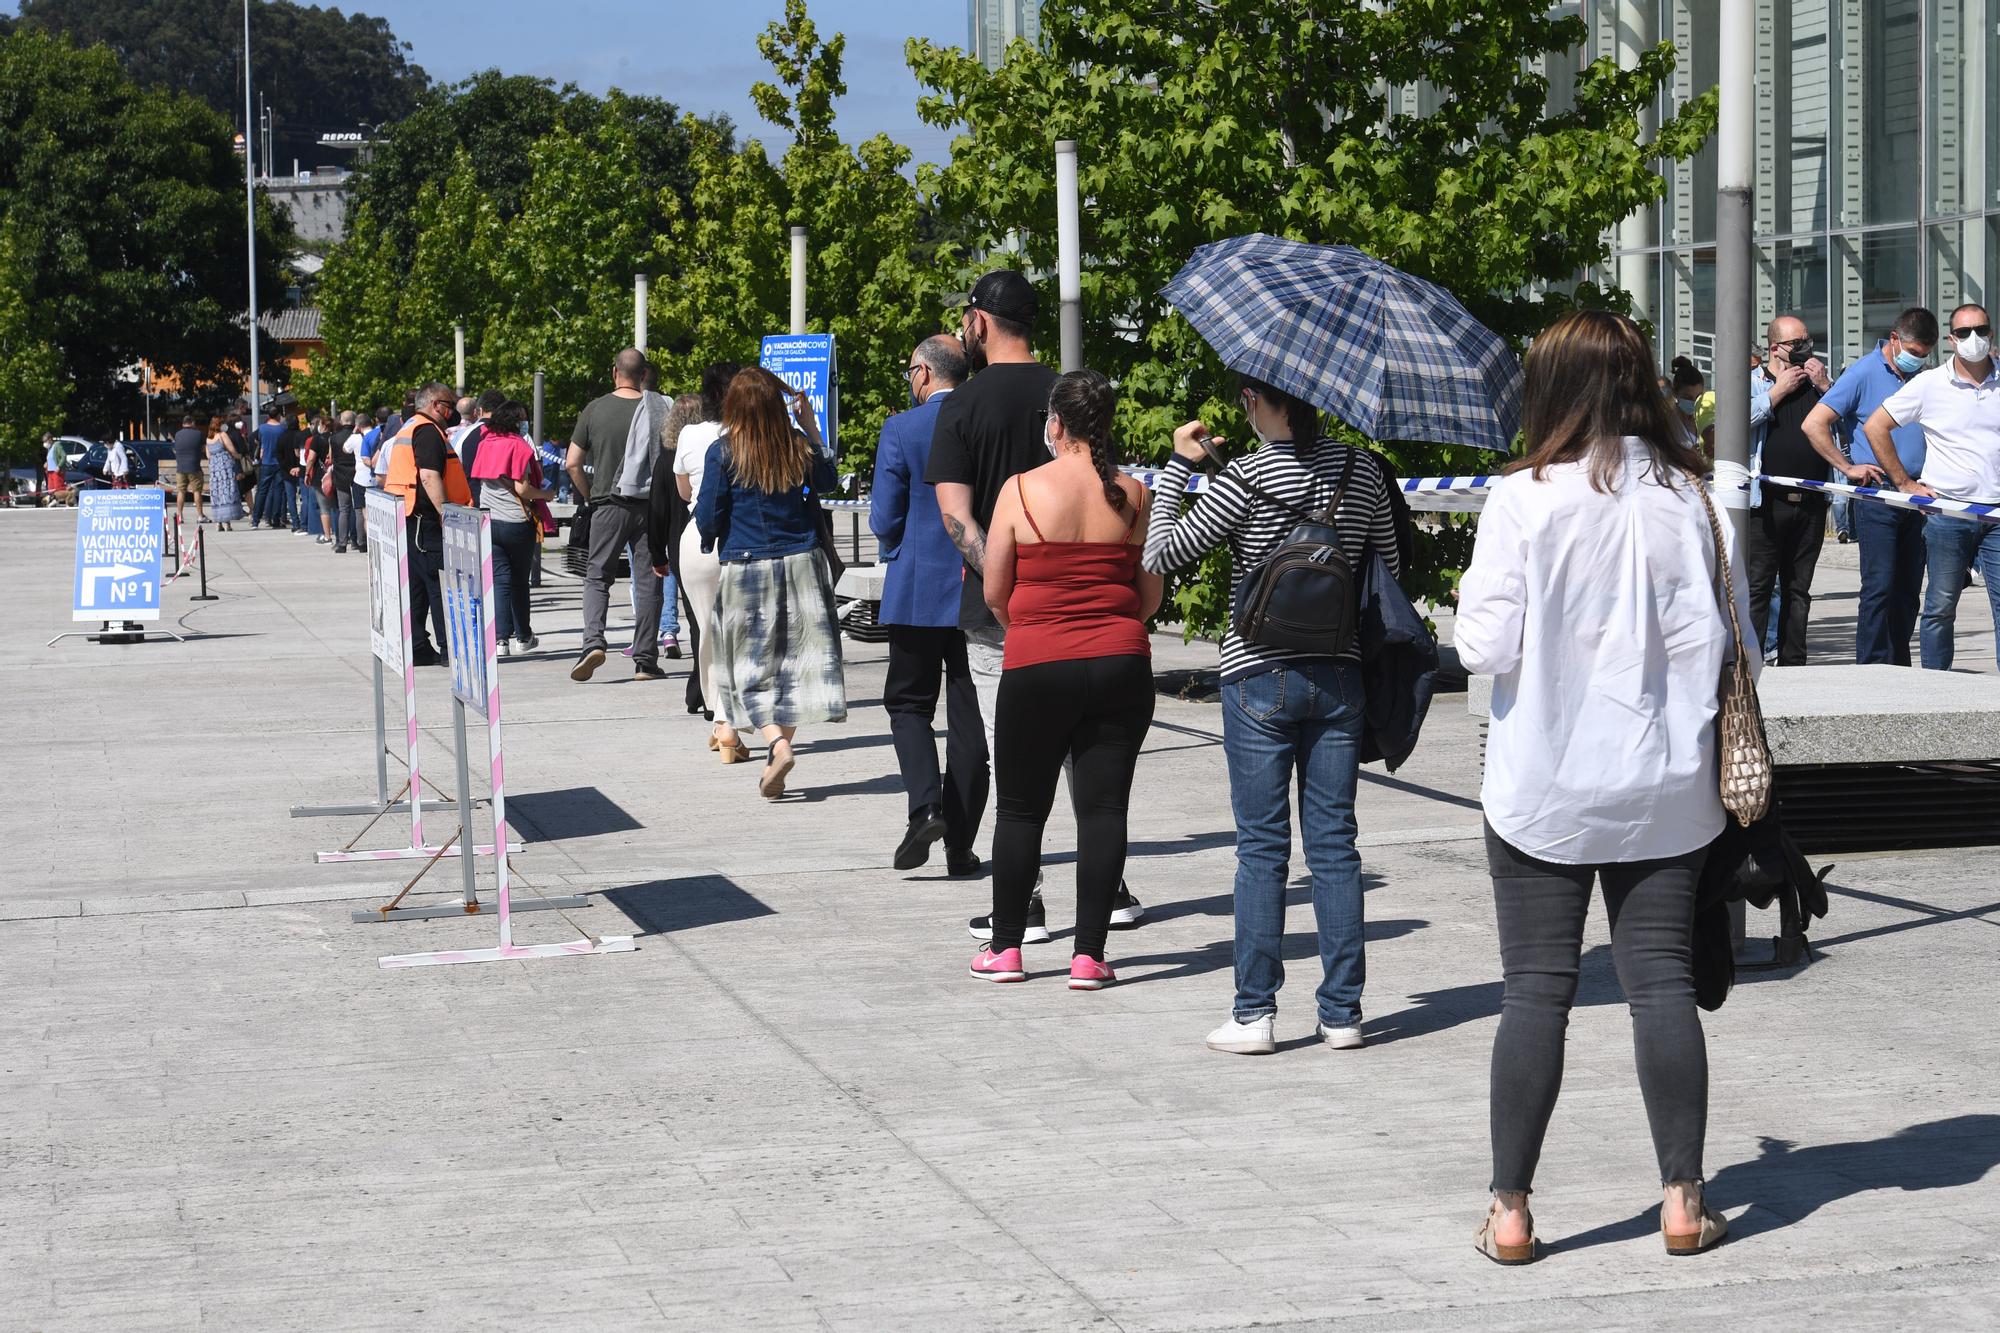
(402, 477)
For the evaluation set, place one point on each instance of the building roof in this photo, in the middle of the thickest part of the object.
(299, 325)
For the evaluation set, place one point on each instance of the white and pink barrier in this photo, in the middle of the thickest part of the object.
(475, 684)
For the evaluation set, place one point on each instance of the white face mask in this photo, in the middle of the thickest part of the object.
(1048, 443)
(1974, 347)
(1262, 435)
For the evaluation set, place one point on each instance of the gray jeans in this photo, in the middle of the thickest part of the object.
(1541, 908)
(614, 525)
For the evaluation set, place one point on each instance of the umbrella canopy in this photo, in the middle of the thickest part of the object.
(1392, 355)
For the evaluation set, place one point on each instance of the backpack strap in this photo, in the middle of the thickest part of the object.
(1326, 515)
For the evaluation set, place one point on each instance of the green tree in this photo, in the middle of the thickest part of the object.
(126, 209)
(306, 60)
(871, 280)
(32, 389)
(1201, 122)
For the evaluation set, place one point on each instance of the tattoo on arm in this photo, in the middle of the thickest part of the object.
(970, 541)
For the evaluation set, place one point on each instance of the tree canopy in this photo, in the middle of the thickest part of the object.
(122, 209)
(1425, 134)
(317, 69)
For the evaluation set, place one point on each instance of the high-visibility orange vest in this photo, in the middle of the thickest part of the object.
(402, 477)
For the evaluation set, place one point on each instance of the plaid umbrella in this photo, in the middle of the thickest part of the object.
(1394, 356)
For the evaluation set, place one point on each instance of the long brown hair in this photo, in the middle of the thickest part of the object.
(764, 451)
(1588, 383)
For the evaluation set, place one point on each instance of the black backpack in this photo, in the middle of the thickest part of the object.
(1305, 597)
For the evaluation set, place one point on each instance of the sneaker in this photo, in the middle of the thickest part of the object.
(648, 671)
(626, 651)
(586, 666)
(1087, 973)
(506, 647)
(959, 865)
(1252, 1038)
(530, 643)
(1036, 933)
(1126, 911)
(1346, 1038)
(1002, 966)
(670, 647)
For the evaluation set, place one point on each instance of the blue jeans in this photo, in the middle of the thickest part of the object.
(670, 596)
(1303, 719)
(270, 496)
(293, 503)
(1952, 546)
(1892, 581)
(1843, 514)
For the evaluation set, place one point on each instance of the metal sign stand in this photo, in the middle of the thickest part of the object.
(475, 673)
(391, 638)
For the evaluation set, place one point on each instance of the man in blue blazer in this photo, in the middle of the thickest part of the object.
(920, 601)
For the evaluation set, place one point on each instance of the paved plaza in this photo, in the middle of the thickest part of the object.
(791, 1108)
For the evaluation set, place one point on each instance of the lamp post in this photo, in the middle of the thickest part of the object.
(250, 213)
(798, 280)
(1069, 255)
(1733, 259)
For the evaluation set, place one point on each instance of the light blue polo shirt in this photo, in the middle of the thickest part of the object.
(1862, 388)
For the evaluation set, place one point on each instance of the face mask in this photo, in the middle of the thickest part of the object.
(1798, 353)
(1686, 405)
(1974, 347)
(1907, 363)
(454, 419)
(975, 351)
(1048, 443)
(1255, 429)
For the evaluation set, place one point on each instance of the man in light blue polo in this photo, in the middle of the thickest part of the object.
(1891, 538)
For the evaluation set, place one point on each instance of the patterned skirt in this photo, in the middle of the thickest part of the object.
(777, 644)
(225, 500)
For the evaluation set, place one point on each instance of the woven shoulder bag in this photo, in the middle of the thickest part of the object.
(1740, 749)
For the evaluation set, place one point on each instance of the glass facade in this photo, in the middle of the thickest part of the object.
(1877, 161)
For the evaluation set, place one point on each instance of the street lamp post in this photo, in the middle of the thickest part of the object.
(250, 213)
(1733, 259)
(1069, 255)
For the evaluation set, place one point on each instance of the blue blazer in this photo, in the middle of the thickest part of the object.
(925, 572)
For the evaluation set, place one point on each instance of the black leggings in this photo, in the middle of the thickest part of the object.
(1092, 712)
(1541, 907)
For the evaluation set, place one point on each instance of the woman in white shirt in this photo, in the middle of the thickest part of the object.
(1592, 602)
(700, 571)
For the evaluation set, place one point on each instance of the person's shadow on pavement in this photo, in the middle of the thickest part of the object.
(1785, 1183)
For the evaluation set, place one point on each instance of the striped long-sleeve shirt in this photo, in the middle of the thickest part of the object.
(1254, 528)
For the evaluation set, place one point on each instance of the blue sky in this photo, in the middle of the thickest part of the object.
(700, 54)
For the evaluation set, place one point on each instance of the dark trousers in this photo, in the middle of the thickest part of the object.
(513, 552)
(1892, 581)
(1092, 712)
(359, 499)
(615, 525)
(1541, 908)
(923, 661)
(1786, 532)
(270, 500)
(344, 520)
(426, 537)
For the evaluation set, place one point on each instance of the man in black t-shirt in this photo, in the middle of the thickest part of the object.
(992, 428)
(1788, 525)
(428, 449)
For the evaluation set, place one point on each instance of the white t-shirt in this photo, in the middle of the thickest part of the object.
(117, 463)
(1596, 615)
(691, 452)
(1961, 429)
(364, 476)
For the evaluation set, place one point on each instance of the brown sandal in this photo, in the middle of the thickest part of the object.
(1510, 1256)
(1714, 1230)
(772, 785)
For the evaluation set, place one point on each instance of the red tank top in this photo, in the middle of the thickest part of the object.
(1074, 599)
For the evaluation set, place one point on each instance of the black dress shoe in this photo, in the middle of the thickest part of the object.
(926, 827)
(962, 864)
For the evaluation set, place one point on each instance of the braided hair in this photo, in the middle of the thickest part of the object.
(1085, 400)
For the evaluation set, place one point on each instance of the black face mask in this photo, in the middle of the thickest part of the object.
(452, 421)
(1798, 353)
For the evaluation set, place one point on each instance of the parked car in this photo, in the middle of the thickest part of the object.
(150, 458)
(88, 472)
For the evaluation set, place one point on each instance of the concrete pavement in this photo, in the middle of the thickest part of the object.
(791, 1108)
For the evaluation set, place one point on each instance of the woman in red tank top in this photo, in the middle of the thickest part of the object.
(1062, 574)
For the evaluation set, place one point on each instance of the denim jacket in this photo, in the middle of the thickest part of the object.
(739, 522)
(1760, 427)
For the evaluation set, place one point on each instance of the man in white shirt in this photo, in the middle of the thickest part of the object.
(118, 466)
(1959, 405)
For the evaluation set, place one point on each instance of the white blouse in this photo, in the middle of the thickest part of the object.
(1596, 616)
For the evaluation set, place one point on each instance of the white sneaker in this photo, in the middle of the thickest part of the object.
(1340, 1039)
(506, 647)
(529, 644)
(1252, 1038)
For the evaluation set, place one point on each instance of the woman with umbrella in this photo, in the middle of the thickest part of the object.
(1310, 327)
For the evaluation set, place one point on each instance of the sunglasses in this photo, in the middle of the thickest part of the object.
(1969, 330)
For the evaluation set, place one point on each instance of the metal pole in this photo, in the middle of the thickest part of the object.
(639, 290)
(798, 280)
(467, 862)
(539, 437)
(458, 357)
(1733, 258)
(250, 209)
(381, 740)
(1069, 255)
(201, 555)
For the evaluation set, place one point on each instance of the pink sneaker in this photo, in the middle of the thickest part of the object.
(1087, 973)
(1002, 966)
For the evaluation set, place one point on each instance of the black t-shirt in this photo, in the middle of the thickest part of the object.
(428, 448)
(988, 430)
(190, 447)
(1787, 451)
(288, 450)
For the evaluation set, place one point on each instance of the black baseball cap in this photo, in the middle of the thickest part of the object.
(1004, 293)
